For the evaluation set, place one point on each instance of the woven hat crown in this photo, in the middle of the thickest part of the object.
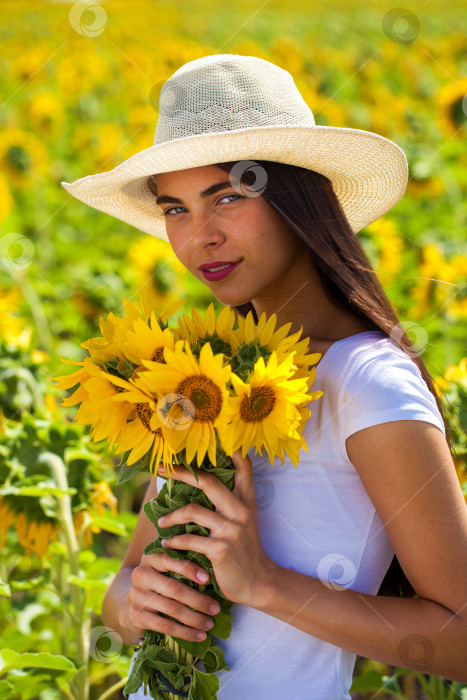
(229, 107)
(226, 93)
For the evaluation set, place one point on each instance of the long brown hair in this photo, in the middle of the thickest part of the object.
(306, 201)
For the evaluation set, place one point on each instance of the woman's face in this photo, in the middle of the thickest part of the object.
(226, 226)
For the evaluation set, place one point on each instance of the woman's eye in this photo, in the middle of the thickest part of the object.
(171, 209)
(167, 211)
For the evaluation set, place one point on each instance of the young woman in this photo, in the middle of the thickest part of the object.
(362, 549)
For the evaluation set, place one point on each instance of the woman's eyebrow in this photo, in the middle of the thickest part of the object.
(163, 198)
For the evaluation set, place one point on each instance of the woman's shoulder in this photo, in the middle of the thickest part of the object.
(373, 380)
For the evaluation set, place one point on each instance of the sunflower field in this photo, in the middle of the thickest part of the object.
(79, 87)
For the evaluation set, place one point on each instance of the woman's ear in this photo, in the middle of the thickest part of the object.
(152, 184)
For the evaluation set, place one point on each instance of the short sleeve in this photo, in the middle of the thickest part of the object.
(384, 387)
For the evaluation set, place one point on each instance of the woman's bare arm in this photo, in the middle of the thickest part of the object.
(408, 472)
(140, 591)
(116, 596)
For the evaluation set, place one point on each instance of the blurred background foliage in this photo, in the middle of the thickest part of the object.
(79, 96)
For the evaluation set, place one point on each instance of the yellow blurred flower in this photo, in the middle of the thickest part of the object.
(452, 373)
(425, 187)
(12, 328)
(28, 62)
(45, 113)
(457, 373)
(451, 102)
(39, 356)
(102, 497)
(51, 403)
(110, 140)
(390, 245)
(35, 536)
(439, 284)
(22, 156)
(84, 527)
(158, 270)
(7, 518)
(286, 53)
(6, 200)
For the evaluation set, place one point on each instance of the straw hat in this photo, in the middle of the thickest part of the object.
(227, 107)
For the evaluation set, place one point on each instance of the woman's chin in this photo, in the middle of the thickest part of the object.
(230, 299)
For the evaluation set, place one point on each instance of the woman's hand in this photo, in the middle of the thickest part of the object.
(152, 592)
(241, 566)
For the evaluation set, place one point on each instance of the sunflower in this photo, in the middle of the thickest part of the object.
(140, 434)
(293, 447)
(115, 330)
(95, 395)
(194, 396)
(265, 411)
(147, 341)
(197, 330)
(268, 339)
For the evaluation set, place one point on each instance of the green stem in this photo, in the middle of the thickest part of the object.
(452, 691)
(37, 310)
(110, 691)
(426, 685)
(438, 683)
(66, 518)
(180, 655)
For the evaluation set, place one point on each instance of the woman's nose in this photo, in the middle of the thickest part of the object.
(204, 230)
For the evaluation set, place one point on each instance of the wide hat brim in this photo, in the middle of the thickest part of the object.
(369, 173)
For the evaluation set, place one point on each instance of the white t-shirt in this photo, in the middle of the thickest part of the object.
(319, 520)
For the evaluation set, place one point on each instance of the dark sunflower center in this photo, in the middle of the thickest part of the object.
(205, 396)
(158, 355)
(258, 405)
(144, 413)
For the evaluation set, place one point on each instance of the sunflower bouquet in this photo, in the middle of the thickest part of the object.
(191, 395)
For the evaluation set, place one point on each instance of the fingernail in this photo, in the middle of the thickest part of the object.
(214, 609)
(161, 520)
(201, 636)
(209, 624)
(202, 575)
(164, 543)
